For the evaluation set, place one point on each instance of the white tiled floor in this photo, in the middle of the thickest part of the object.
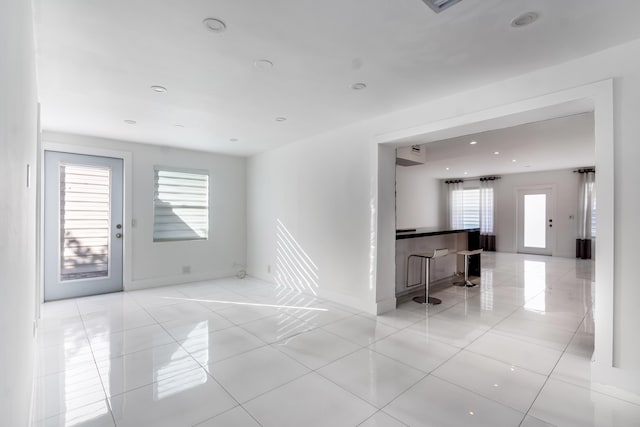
(513, 352)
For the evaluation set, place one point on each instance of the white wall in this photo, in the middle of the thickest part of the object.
(418, 199)
(325, 187)
(155, 264)
(319, 191)
(18, 147)
(565, 184)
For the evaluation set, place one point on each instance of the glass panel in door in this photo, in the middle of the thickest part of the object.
(535, 224)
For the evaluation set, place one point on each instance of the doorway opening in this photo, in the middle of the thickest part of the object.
(596, 98)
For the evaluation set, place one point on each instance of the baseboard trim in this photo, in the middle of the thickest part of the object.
(386, 305)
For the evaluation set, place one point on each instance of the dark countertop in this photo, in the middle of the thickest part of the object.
(411, 233)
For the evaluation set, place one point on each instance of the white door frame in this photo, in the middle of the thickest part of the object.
(50, 144)
(600, 95)
(551, 243)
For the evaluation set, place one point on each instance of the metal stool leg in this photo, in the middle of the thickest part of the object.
(426, 298)
(467, 282)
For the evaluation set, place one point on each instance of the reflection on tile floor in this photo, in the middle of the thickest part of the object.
(514, 351)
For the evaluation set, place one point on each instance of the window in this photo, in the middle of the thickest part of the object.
(471, 208)
(466, 212)
(181, 205)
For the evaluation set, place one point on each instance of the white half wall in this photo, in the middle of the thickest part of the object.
(325, 190)
(149, 264)
(18, 148)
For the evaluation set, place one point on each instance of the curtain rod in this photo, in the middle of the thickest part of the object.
(585, 170)
(483, 178)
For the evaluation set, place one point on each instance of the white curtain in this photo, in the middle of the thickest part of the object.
(487, 207)
(455, 205)
(586, 199)
(585, 243)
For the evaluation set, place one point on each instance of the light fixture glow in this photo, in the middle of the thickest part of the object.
(447, 168)
(513, 160)
(473, 142)
(466, 173)
(159, 89)
(215, 25)
(525, 19)
(496, 152)
(358, 86)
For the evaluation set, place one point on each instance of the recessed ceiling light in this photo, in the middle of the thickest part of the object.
(447, 168)
(263, 64)
(471, 413)
(473, 142)
(466, 173)
(514, 160)
(525, 19)
(358, 86)
(233, 139)
(280, 119)
(130, 122)
(215, 25)
(496, 152)
(159, 89)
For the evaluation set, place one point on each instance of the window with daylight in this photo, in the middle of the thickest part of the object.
(473, 207)
(181, 205)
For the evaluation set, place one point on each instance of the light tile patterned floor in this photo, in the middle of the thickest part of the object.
(514, 351)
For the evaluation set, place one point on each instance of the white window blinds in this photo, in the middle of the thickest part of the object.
(471, 208)
(181, 205)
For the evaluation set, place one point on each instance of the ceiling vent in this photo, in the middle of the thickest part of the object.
(411, 156)
(440, 5)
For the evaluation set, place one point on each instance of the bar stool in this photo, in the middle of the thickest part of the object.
(425, 265)
(466, 255)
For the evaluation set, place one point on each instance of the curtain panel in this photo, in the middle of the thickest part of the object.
(487, 214)
(585, 242)
(455, 205)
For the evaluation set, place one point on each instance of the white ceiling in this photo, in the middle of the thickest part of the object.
(561, 143)
(97, 60)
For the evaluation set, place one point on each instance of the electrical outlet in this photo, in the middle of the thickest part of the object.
(186, 269)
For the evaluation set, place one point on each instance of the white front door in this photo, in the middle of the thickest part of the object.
(83, 230)
(535, 221)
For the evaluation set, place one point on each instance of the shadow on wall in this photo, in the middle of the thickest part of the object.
(294, 268)
(178, 222)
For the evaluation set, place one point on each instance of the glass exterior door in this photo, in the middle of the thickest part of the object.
(83, 230)
(535, 222)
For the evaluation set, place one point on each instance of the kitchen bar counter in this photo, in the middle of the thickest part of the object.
(418, 240)
(410, 233)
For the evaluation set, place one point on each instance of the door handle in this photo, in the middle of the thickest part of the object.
(118, 235)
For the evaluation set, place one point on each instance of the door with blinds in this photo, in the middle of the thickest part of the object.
(83, 231)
